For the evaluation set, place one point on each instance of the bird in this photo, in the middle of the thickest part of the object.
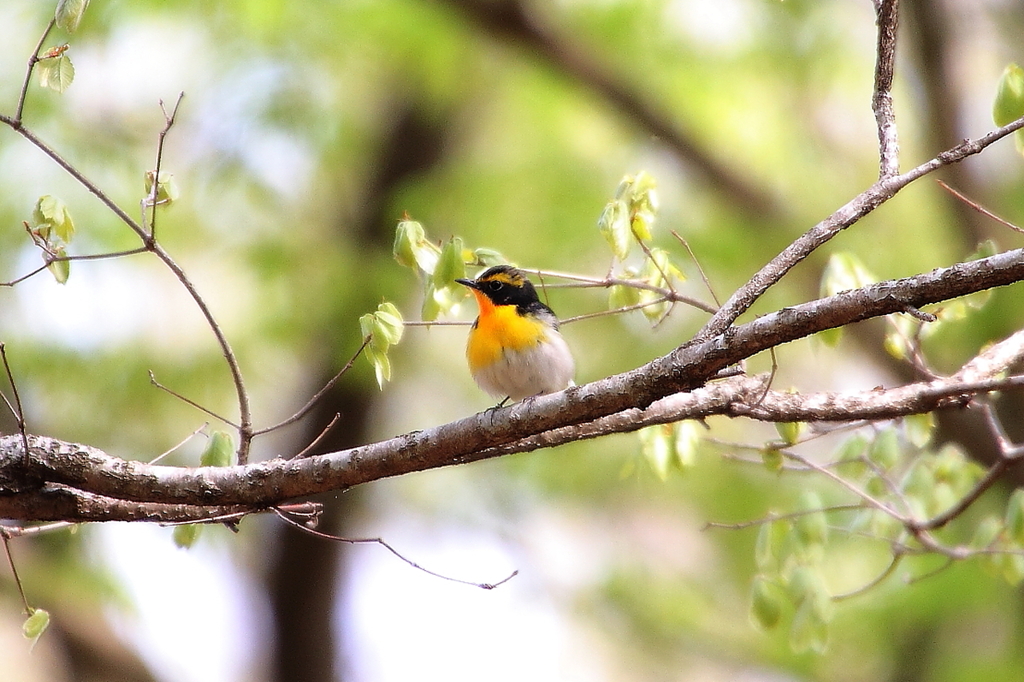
(514, 348)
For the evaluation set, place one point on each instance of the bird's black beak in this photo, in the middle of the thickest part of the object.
(468, 283)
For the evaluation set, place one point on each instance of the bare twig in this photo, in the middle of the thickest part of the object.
(617, 311)
(703, 275)
(771, 518)
(1010, 456)
(586, 281)
(54, 259)
(32, 61)
(244, 425)
(19, 412)
(309, 448)
(864, 203)
(862, 494)
(14, 572)
(189, 401)
(185, 440)
(979, 208)
(897, 557)
(385, 545)
(304, 410)
(155, 190)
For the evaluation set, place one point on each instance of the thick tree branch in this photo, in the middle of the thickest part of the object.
(484, 434)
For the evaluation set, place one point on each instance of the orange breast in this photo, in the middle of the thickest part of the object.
(498, 328)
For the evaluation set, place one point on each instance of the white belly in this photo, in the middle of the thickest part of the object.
(544, 368)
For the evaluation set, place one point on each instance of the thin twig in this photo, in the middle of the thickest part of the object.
(978, 207)
(155, 190)
(862, 494)
(897, 557)
(20, 531)
(14, 571)
(19, 412)
(703, 275)
(319, 394)
(848, 214)
(245, 415)
(742, 525)
(185, 440)
(54, 259)
(330, 425)
(188, 401)
(585, 281)
(617, 311)
(385, 545)
(32, 61)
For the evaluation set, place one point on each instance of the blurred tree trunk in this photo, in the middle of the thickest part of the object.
(306, 571)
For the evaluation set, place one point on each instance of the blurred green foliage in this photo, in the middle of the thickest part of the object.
(274, 157)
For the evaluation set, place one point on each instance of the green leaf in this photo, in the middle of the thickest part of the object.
(69, 14)
(614, 225)
(771, 541)
(851, 453)
(919, 428)
(431, 307)
(60, 269)
(488, 257)
(622, 296)
(688, 435)
(381, 365)
(766, 600)
(219, 451)
(35, 625)
(806, 585)
(772, 458)
(987, 532)
(412, 249)
(656, 447)
(811, 526)
(52, 217)
(885, 449)
(166, 189)
(952, 466)
(1015, 518)
(186, 535)
(384, 327)
(845, 272)
(896, 345)
(643, 205)
(56, 73)
(790, 432)
(809, 631)
(389, 323)
(1013, 568)
(450, 264)
(1009, 102)
(919, 487)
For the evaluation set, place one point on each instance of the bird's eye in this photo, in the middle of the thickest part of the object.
(494, 285)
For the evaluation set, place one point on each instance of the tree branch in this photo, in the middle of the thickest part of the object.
(844, 217)
(497, 432)
(887, 12)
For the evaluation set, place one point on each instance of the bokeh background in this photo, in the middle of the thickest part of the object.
(307, 129)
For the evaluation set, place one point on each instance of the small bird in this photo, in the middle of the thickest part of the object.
(514, 348)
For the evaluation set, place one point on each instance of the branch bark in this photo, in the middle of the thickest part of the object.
(525, 426)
